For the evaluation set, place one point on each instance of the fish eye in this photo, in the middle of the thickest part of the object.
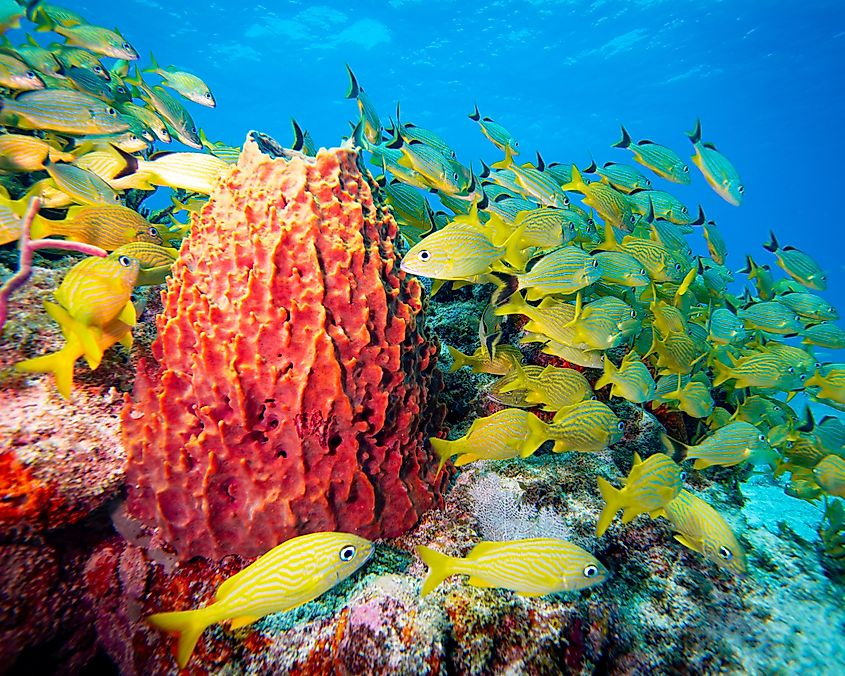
(595, 262)
(455, 176)
(802, 377)
(121, 89)
(111, 111)
(591, 223)
(620, 426)
(207, 95)
(683, 476)
(30, 73)
(818, 364)
(725, 553)
(98, 69)
(633, 218)
(684, 210)
(824, 278)
(686, 169)
(153, 231)
(126, 45)
(516, 144)
(347, 553)
(678, 267)
(565, 201)
(648, 183)
(762, 437)
(591, 571)
(791, 369)
(740, 189)
(425, 255)
(642, 271)
(125, 261)
(633, 314)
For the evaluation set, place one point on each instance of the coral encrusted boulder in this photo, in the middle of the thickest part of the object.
(293, 387)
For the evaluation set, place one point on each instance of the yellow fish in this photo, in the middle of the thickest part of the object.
(28, 153)
(532, 567)
(155, 261)
(509, 433)
(798, 265)
(289, 575)
(503, 359)
(661, 160)
(107, 227)
(716, 168)
(649, 487)
(831, 383)
(702, 529)
(830, 475)
(587, 426)
(187, 84)
(551, 387)
(194, 172)
(631, 380)
(733, 444)
(69, 112)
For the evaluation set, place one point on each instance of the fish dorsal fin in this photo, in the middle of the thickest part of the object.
(709, 145)
(687, 542)
(127, 314)
(646, 142)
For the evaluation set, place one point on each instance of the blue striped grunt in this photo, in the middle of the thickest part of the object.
(631, 380)
(81, 185)
(564, 271)
(289, 575)
(702, 529)
(693, 395)
(716, 168)
(95, 39)
(663, 161)
(509, 433)
(725, 327)
(371, 125)
(28, 153)
(186, 84)
(531, 567)
(798, 265)
(107, 227)
(66, 111)
(587, 426)
(665, 206)
(621, 176)
(771, 316)
(809, 306)
(551, 387)
(762, 277)
(735, 443)
(501, 362)
(830, 381)
(181, 123)
(17, 75)
(757, 369)
(827, 336)
(715, 242)
(496, 133)
(649, 487)
(830, 475)
(611, 204)
(618, 267)
(534, 183)
(154, 261)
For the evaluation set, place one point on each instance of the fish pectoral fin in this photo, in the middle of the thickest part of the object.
(127, 314)
(701, 463)
(476, 581)
(465, 459)
(630, 513)
(90, 337)
(686, 542)
(243, 621)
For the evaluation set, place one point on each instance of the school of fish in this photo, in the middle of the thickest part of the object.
(596, 260)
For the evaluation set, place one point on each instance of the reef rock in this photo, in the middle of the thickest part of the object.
(293, 385)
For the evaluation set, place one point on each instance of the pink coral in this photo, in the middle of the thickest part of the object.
(293, 384)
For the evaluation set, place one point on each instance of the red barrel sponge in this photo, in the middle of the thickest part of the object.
(293, 386)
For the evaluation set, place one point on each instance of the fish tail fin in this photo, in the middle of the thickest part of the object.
(609, 242)
(538, 433)
(625, 141)
(578, 184)
(60, 364)
(513, 255)
(298, 136)
(701, 219)
(695, 134)
(607, 377)
(354, 88)
(772, 245)
(444, 450)
(721, 372)
(612, 504)
(360, 139)
(440, 566)
(519, 381)
(750, 267)
(32, 10)
(475, 116)
(154, 67)
(459, 359)
(505, 163)
(42, 22)
(590, 168)
(189, 624)
(41, 227)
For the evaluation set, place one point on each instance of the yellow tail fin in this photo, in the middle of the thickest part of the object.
(60, 364)
(189, 624)
(444, 449)
(440, 566)
(459, 359)
(606, 378)
(613, 503)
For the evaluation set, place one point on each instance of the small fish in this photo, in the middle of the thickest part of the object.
(664, 204)
(17, 75)
(155, 261)
(733, 444)
(81, 185)
(95, 39)
(716, 168)
(27, 153)
(550, 387)
(496, 133)
(302, 140)
(762, 277)
(371, 125)
(618, 267)
(649, 487)
(631, 380)
(148, 118)
(827, 336)
(693, 395)
(531, 567)
(772, 317)
(563, 271)
(534, 183)
(108, 227)
(545, 227)
(36, 57)
(439, 171)
(510, 433)
(227, 153)
(93, 293)
(188, 85)
(174, 113)
(829, 433)
(69, 57)
(621, 176)
(757, 369)
(289, 575)
(53, 14)
(702, 529)
(413, 132)
(830, 380)
(809, 306)
(677, 353)
(798, 265)
(715, 242)
(604, 323)
(725, 327)
(611, 204)
(501, 363)
(584, 427)
(551, 318)
(663, 161)
(69, 112)
(194, 172)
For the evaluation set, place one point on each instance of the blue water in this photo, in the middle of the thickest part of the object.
(763, 76)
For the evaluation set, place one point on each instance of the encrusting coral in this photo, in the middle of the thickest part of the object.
(290, 371)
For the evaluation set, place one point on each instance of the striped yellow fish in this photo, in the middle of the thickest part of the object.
(631, 381)
(762, 277)
(715, 242)
(702, 529)
(827, 336)
(27, 153)
(798, 265)
(107, 227)
(621, 268)
(194, 172)
(716, 168)
(807, 305)
(66, 111)
(480, 361)
(758, 369)
(370, 123)
(552, 388)
(621, 176)
(604, 323)
(733, 444)
(545, 227)
(663, 161)
(611, 204)
(649, 487)
(61, 363)
(148, 118)
(509, 433)
(664, 204)
(17, 75)
(174, 113)
(69, 57)
(725, 327)
(677, 353)
(565, 271)
(95, 39)
(81, 185)
(289, 575)
(551, 318)
(534, 183)
(532, 567)
(830, 475)
(771, 316)
(187, 84)
(496, 133)
(94, 292)
(693, 396)
(587, 426)
(155, 261)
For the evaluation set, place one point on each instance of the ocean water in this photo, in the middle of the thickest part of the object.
(764, 77)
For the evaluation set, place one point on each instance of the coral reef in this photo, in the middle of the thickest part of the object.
(290, 370)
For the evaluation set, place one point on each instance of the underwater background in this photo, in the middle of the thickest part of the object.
(89, 586)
